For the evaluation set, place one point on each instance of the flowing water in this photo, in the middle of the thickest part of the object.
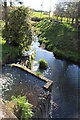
(65, 89)
(66, 85)
(16, 82)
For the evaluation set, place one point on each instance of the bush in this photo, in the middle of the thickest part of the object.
(19, 27)
(43, 64)
(50, 47)
(10, 52)
(24, 107)
(39, 73)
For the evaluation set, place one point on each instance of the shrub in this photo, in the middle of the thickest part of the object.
(43, 64)
(24, 107)
(39, 73)
(50, 47)
(19, 27)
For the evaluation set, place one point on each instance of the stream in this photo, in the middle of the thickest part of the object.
(65, 77)
(66, 84)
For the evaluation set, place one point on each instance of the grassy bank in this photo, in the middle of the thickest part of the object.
(61, 39)
(9, 53)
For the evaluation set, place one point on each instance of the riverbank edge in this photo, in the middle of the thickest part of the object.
(61, 54)
(48, 84)
(71, 55)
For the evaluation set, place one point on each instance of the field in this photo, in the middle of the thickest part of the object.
(46, 15)
(40, 14)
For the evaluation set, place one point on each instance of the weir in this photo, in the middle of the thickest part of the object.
(48, 82)
(43, 99)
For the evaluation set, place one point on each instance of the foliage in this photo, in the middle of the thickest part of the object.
(9, 52)
(69, 10)
(33, 55)
(43, 64)
(69, 55)
(39, 73)
(26, 108)
(30, 62)
(62, 36)
(19, 27)
(50, 47)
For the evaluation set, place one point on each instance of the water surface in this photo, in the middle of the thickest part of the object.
(66, 85)
(18, 82)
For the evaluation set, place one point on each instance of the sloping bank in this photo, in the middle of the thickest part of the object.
(61, 39)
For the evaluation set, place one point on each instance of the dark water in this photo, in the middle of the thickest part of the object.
(18, 82)
(65, 89)
(66, 84)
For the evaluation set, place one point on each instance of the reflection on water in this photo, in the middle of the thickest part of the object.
(17, 82)
(66, 83)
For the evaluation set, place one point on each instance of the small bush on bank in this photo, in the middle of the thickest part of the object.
(43, 64)
(39, 73)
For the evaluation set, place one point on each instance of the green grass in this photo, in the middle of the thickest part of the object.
(9, 53)
(64, 19)
(69, 55)
(63, 37)
(40, 15)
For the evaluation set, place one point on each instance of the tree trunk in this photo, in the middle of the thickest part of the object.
(67, 19)
(0, 11)
(72, 20)
(76, 22)
(6, 20)
(61, 19)
(57, 18)
(49, 14)
(10, 3)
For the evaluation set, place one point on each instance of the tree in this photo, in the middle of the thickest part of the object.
(10, 3)
(6, 12)
(19, 27)
(0, 10)
(72, 10)
(59, 11)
